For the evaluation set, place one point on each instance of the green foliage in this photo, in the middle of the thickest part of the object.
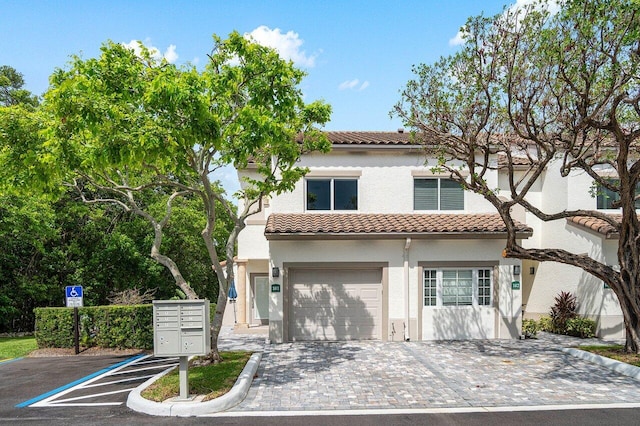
(581, 327)
(103, 326)
(11, 91)
(530, 328)
(546, 324)
(564, 309)
(45, 246)
(151, 138)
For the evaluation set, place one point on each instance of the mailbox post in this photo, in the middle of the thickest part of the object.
(181, 329)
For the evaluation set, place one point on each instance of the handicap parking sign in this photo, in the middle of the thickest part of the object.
(73, 295)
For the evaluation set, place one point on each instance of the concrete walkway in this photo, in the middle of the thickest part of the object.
(426, 375)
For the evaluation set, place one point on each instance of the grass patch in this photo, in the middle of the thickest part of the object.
(212, 380)
(16, 347)
(614, 352)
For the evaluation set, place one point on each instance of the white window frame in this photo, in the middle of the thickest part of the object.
(475, 276)
(331, 192)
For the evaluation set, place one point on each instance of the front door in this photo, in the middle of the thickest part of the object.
(260, 305)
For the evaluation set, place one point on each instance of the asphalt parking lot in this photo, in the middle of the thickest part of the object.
(83, 389)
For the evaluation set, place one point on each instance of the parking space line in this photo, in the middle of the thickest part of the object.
(145, 369)
(70, 386)
(78, 398)
(131, 379)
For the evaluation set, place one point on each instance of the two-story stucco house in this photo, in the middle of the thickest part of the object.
(372, 244)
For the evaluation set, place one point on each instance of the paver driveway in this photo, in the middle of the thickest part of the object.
(378, 375)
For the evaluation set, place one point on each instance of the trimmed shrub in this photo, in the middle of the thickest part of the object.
(104, 326)
(581, 327)
(545, 324)
(54, 327)
(530, 328)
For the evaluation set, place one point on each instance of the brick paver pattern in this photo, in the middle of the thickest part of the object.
(387, 375)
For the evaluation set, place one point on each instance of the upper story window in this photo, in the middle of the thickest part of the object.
(332, 194)
(437, 194)
(606, 197)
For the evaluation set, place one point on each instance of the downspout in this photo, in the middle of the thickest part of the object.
(407, 244)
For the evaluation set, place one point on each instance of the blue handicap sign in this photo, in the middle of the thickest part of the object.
(73, 291)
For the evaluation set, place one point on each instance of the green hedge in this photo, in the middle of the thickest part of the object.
(120, 327)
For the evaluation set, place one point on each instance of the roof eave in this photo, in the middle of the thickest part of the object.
(281, 236)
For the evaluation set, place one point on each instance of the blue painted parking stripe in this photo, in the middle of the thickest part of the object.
(7, 361)
(77, 382)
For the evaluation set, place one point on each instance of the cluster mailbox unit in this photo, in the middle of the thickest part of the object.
(181, 328)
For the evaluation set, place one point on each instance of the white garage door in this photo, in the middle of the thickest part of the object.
(335, 304)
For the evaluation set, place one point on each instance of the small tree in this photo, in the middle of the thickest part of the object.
(564, 308)
(537, 89)
(122, 125)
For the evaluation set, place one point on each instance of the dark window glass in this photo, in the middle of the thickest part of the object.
(345, 194)
(451, 195)
(318, 194)
(607, 197)
(425, 194)
(437, 194)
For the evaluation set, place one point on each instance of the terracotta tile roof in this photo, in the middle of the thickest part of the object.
(516, 161)
(370, 138)
(597, 225)
(385, 226)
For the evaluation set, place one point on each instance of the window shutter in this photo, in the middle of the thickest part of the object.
(451, 195)
(425, 194)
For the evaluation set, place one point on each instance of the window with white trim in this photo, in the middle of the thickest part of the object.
(437, 194)
(332, 194)
(484, 287)
(430, 287)
(457, 287)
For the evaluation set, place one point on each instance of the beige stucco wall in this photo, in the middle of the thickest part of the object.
(502, 321)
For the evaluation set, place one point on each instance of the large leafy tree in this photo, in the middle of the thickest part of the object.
(11, 91)
(121, 126)
(48, 242)
(543, 89)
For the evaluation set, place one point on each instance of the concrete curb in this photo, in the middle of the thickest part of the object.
(194, 408)
(611, 364)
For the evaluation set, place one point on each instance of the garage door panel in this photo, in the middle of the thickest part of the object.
(335, 304)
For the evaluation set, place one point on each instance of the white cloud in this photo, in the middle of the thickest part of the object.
(458, 39)
(288, 45)
(553, 6)
(353, 84)
(349, 84)
(170, 54)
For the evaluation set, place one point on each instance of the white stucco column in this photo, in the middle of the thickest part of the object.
(241, 288)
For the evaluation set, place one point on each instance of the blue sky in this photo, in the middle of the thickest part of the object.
(358, 54)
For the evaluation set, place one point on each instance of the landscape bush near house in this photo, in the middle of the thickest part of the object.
(563, 319)
(545, 324)
(564, 309)
(581, 327)
(530, 328)
(121, 327)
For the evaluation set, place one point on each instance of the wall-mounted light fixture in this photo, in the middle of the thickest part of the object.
(275, 272)
(532, 270)
(516, 269)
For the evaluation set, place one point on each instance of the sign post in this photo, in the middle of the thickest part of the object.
(74, 298)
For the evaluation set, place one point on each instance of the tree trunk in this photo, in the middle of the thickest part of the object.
(216, 324)
(631, 315)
